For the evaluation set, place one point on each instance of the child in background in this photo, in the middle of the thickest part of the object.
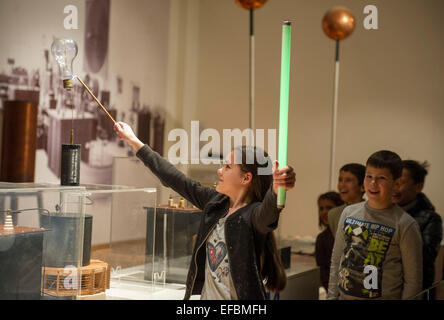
(351, 189)
(378, 248)
(325, 239)
(413, 201)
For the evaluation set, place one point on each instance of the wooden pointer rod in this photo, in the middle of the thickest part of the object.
(97, 100)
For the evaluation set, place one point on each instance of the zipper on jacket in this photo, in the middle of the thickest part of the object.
(195, 263)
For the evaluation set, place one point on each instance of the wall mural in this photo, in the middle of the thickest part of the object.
(60, 110)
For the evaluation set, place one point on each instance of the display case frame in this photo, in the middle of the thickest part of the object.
(54, 221)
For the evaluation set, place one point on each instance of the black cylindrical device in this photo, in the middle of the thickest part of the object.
(70, 166)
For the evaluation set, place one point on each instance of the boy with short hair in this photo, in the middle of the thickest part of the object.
(378, 247)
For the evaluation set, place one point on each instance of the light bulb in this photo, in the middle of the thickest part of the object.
(64, 51)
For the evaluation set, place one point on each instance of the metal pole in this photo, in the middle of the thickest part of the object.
(251, 120)
(334, 118)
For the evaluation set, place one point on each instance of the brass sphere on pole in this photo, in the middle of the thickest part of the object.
(338, 23)
(250, 4)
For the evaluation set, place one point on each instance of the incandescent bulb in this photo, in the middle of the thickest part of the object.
(64, 51)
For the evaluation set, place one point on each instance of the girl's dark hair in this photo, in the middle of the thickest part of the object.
(334, 197)
(258, 163)
(272, 269)
(418, 171)
(386, 159)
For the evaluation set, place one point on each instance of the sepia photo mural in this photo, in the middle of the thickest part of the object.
(122, 58)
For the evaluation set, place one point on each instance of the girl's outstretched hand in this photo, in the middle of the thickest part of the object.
(124, 131)
(284, 177)
(126, 134)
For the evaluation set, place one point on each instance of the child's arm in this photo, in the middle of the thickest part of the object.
(171, 177)
(165, 171)
(411, 255)
(265, 216)
(338, 250)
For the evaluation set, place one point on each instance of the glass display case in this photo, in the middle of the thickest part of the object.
(120, 239)
(87, 241)
(175, 243)
(41, 240)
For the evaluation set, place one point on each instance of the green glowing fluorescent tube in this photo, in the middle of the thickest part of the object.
(283, 110)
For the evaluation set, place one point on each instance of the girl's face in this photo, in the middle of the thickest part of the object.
(324, 206)
(349, 188)
(231, 178)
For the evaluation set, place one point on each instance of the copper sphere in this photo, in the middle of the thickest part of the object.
(338, 23)
(250, 4)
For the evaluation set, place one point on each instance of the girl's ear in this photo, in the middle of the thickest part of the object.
(247, 177)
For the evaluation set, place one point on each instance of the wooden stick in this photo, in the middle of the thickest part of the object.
(98, 102)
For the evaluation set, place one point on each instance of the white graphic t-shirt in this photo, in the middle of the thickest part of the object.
(218, 283)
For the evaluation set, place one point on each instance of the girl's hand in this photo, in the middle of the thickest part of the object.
(285, 177)
(124, 131)
(126, 134)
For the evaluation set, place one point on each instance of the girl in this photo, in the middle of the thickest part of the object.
(235, 251)
(325, 239)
